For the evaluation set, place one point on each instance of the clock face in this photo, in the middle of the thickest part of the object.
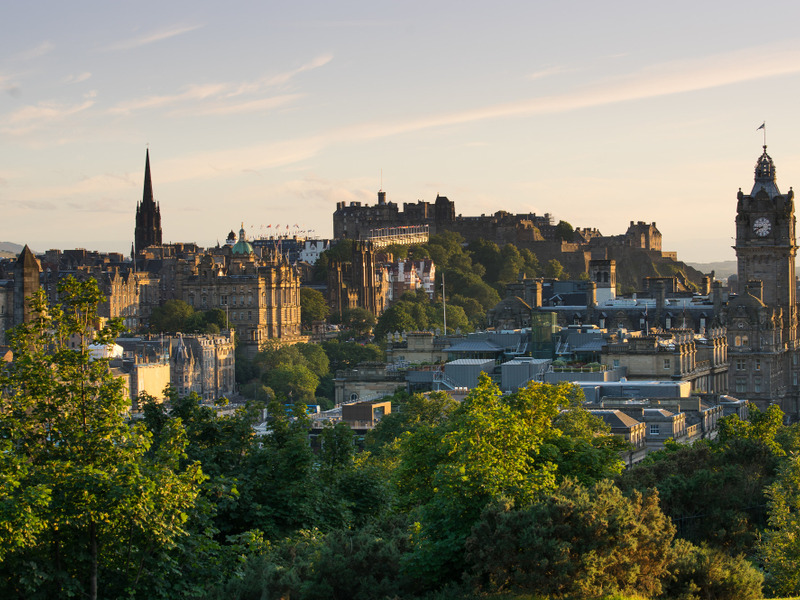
(762, 226)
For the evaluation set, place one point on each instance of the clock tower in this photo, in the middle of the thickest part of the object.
(763, 319)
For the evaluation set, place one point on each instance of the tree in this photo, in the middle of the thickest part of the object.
(488, 449)
(714, 492)
(113, 504)
(295, 383)
(215, 317)
(312, 306)
(699, 572)
(553, 269)
(358, 320)
(583, 448)
(315, 358)
(565, 231)
(780, 544)
(346, 355)
(577, 543)
(173, 316)
(412, 412)
(763, 426)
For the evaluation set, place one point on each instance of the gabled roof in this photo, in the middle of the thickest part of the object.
(615, 418)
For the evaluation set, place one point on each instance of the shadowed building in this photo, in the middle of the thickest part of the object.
(762, 320)
(148, 216)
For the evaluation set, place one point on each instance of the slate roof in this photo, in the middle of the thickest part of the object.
(615, 418)
(482, 346)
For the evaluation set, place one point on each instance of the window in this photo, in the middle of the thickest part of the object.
(740, 364)
(741, 385)
(655, 430)
(756, 384)
(666, 363)
(757, 364)
(737, 341)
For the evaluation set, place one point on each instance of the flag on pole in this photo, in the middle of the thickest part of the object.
(762, 125)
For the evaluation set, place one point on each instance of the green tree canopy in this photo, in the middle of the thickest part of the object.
(491, 447)
(104, 505)
(780, 544)
(177, 316)
(358, 320)
(553, 269)
(565, 231)
(312, 306)
(576, 543)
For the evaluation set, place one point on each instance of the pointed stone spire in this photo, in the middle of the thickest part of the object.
(26, 283)
(148, 215)
(147, 197)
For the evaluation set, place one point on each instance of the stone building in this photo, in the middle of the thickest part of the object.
(678, 355)
(23, 282)
(201, 363)
(762, 320)
(261, 295)
(359, 283)
(204, 364)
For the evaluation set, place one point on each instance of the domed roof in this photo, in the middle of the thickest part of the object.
(765, 176)
(242, 246)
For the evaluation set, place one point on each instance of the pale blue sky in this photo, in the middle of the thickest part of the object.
(270, 113)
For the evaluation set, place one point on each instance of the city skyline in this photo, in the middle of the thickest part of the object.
(269, 114)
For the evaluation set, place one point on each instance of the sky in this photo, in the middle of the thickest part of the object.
(268, 113)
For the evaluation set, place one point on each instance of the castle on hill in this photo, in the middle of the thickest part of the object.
(637, 252)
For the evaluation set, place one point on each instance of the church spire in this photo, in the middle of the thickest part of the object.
(148, 215)
(147, 197)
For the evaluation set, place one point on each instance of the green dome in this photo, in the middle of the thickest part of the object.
(242, 246)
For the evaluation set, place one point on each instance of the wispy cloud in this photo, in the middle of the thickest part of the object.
(33, 117)
(658, 80)
(152, 37)
(75, 193)
(252, 106)
(35, 52)
(77, 78)
(545, 73)
(316, 63)
(216, 95)
(233, 161)
(192, 94)
(253, 87)
(652, 82)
